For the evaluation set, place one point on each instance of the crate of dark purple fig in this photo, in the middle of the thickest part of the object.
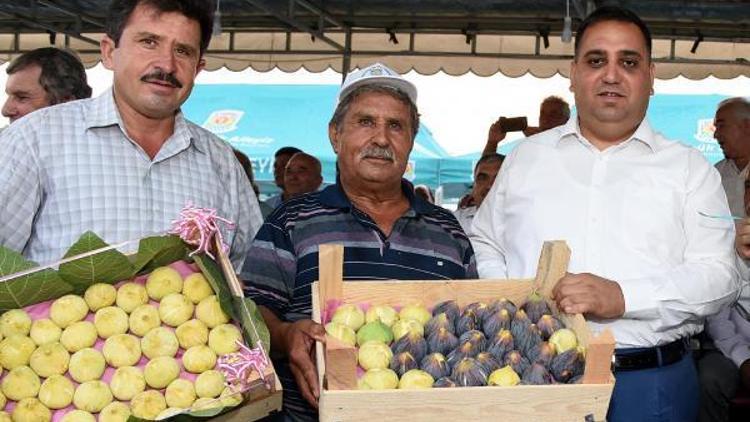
(458, 350)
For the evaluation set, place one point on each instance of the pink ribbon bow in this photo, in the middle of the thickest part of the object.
(196, 226)
(238, 367)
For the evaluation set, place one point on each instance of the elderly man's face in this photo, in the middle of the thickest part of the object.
(24, 93)
(374, 140)
(612, 76)
(155, 62)
(302, 175)
(733, 133)
(551, 114)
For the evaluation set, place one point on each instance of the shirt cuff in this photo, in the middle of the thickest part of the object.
(740, 354)
(640, 302)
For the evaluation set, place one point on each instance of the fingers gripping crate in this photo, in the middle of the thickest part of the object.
(337, 363)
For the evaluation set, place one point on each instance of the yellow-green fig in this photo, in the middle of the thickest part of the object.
(162, 282)
(5, 416)
(78, 416)
(44, 331)
(143, 319)
(563, 340)
(78, 335)
(148, 404)
(405, 326)
(383, 313)
(374, 354)
(205, 403)
(20, 383)
(374, 330)
(342, 333)
(130, 296)
(15, 322)
(160, 372)
(67, 310)
(504, 377)
(160, 341)
(122, 350)
(126, 382)
(15, 351)
(378, 379)
(209, 311)
(416, 312)
(31, 410)
(50, 359)
(230, 398)
(174, 309)
(350, 315)
(180, 393)
(198, 359)
(100, 295)
(92, 396)
(209, 384)
(415, 379)
(115, 412)
(57, 392)
(192, 333)
(223, 339)
(110, 321)
(196, 288)
(86, 365)
(3, 400)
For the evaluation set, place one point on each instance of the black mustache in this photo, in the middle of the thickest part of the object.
(161, 76)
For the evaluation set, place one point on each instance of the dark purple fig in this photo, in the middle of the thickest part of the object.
(542, 353)
(496, 321)
(466, 322)
(476, 337)
(501, 344)
(449, 308)
(480, 309)
(535, 307)
(442, 341)
(527, 339)
(536, 374)
(412, 343)
(488, 362)
(469, 373)
(506, 304)
(515, 359)
(436, 365)
(440, 320)
(567, 365)
(467, 349)
(547, 325)
(445, 382)
(403, 362)
(576, 380)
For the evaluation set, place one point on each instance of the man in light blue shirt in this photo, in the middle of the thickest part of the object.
(125, 163)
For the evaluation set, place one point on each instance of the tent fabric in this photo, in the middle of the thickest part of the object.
(511, 55)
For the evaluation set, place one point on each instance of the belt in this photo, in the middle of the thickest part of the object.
(653, 357)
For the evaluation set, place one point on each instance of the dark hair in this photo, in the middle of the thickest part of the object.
(489, 158)
(613, 13)
(554, 99)
(286, 151)
(200, 10)
(343, 106)
(62, 77)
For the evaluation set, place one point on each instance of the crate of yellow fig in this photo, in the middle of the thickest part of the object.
(457, 350)
(118, 337)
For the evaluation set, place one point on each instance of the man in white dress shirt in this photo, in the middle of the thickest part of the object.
(644, 262)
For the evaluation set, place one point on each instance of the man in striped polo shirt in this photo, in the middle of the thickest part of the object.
(387, 232)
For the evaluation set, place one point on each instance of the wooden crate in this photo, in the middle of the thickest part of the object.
(259, 402)
(340, 401)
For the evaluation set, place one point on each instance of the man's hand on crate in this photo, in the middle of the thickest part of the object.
(589, 294)
(299, 338)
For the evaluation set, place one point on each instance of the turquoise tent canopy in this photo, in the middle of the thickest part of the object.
(259, 119)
